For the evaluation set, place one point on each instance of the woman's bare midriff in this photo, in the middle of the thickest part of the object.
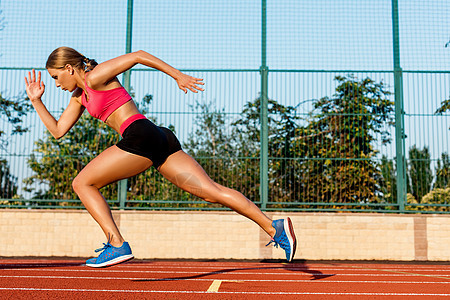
(121, 114)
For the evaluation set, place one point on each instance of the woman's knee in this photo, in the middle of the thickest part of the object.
(76, 184)
(79, 183)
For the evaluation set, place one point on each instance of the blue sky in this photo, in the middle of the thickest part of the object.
(322, 34)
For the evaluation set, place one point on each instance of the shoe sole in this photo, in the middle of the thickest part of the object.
(289, 229)
(112, 262)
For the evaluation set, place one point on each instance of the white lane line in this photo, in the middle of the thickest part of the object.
(219, 281)
(235, 293)
(228, 272)
(433, 275)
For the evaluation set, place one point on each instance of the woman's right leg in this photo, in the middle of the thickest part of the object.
(111, 165)
(184, 171)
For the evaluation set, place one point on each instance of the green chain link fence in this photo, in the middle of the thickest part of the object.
(309, 106)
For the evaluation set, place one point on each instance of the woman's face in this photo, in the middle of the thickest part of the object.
(64, 78)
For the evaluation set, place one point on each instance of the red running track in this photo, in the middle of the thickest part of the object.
(70, 279)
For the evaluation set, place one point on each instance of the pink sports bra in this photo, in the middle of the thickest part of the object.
(102, 104)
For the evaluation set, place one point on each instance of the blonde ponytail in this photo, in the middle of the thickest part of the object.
(89, 64)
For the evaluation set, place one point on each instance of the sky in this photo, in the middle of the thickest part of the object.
(201, 35)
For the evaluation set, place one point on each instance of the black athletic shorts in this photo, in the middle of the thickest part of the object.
(144, 138)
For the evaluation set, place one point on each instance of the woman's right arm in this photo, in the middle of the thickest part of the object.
(58, 128)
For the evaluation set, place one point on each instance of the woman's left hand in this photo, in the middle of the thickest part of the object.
(186, 82)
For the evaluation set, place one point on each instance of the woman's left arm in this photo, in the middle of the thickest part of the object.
(108, 70)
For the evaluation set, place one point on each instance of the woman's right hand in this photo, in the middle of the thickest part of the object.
(35, 88)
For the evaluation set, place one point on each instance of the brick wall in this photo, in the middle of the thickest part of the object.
(216, 235)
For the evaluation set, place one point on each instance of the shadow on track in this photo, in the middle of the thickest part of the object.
(299, 266)
(39, 265)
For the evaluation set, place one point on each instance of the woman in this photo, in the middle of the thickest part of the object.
(96, 88)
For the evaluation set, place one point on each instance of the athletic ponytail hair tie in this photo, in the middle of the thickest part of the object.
(89, 63)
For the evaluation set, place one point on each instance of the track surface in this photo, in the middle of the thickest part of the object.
(70, 279)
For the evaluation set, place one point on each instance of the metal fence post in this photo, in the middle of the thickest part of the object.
(399, 113)
(122, 187)
(264, 154)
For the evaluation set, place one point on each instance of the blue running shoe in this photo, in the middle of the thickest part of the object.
(110, 256)
(284, 237)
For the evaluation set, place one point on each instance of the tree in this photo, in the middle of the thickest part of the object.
(330, 158)
(442, 172)
(445, 105)
(337, 144)
(282, 127)
(420, 174)
(388, 182)
(8, 182)
(432, 200)
(12, 112)
(210, 137)
(56, 162)
(230, 152)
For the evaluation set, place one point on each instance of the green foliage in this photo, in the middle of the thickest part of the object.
(419, 172)
(388, 181)
(282, 125)
(56, 162)
(443, 172)
(330, 159)
(445, 105)
(432, 200)
(210, 137)
(11, 112)
(420, 179)
(8, 182)
(337, 143)
(216, 147)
